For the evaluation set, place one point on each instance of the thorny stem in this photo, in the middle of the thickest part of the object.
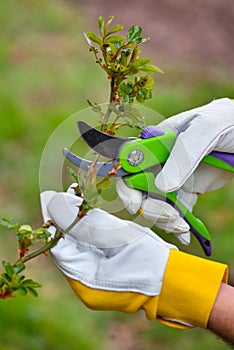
(115, 121)
(42, 250)
(97, 59)
(92, 168)
(108, 112)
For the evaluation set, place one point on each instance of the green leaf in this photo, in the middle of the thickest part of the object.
(113, 47)
(149, 94)
(115, 39)
(151, 68)
(21, 278)
(9, 223)
(96, 108)
(149, 83)
(24, 229)
(19, 268)
(9, 268)
(96, 39)
(30, 283)
(114, 29)
(101, 25)
(125, 89)
(132, 69)
(142, 62)
(141, 96)
(124, 60)
(110, 19)
(23, 291)
(39, 232)
(134, 34)
(6, 278)
(73, 174)
(32, 291)
(124, 56)
(100, 21)
(127, 99)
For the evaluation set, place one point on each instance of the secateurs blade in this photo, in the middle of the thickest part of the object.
(134, 160)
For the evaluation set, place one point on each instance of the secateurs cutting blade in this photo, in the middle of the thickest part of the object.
(134, 160)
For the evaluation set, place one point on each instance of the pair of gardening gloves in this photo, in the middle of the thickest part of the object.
(115, 264)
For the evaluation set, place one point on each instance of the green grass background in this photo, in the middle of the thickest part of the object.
(46, 75)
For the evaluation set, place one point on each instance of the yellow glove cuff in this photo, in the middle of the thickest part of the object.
(189, 289)
(188, 293)
(129, 302)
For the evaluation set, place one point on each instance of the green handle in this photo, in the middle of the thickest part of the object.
(141, 154)
(144, 181)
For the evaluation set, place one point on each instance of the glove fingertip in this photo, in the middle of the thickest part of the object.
(45, 198)
(71, 188)
(167, 183)
(184, 238)
(131, 198)
(63, 209)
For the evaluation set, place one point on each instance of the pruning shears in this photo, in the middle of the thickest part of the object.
(134, 159)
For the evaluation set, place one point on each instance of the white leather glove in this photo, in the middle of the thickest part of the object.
(111, 264)
(201, 130)
(114, 264)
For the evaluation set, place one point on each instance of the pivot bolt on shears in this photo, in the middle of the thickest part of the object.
(134, 159)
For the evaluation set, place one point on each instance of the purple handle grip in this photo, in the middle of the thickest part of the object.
(225, 157)
(151, 131)
(204, 242)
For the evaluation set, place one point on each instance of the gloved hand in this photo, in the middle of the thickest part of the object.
(113, 264)
(201, 130)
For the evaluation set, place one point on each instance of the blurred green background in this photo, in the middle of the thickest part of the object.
(46, 75)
